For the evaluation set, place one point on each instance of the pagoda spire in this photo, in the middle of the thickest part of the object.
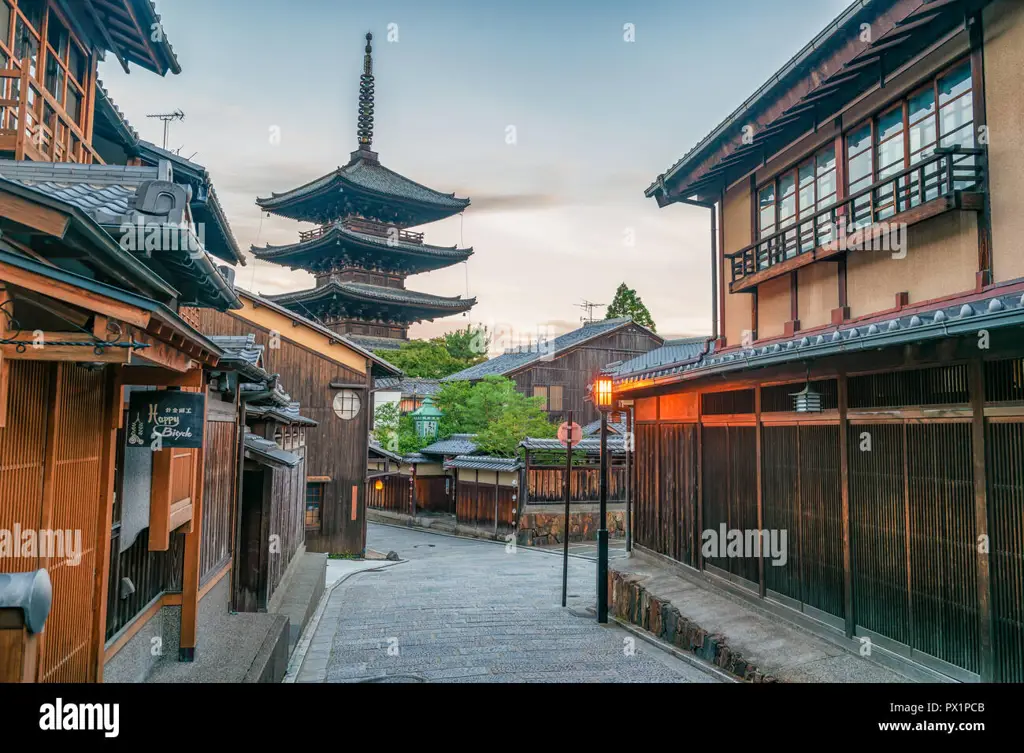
(365, 130)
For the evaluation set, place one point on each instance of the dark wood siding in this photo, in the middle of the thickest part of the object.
(336, 448)
(576, 369)
(219, 479)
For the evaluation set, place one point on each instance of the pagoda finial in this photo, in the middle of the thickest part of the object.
(365, 130)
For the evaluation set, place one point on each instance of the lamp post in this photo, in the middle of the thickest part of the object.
(603, 400)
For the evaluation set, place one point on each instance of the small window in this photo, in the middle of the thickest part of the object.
(34, 11)
(541, 392)
(555, 398)
(346, 404)
(314, 496)
(5, 23)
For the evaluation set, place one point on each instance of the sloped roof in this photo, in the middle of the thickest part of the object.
(375, 293)
(408, 386)
(241, 353)
(594, 428)
(376, 343)
(672, 352)
(268, 452)
(456, 444)
(440, 256)
(376, 447)
(589, 445)
(515, 359)
(988, 311)
(132, 29)
(483, 463)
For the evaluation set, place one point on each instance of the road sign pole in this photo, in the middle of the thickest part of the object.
(565, 528)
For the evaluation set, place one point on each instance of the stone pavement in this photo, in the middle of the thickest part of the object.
(459, 610)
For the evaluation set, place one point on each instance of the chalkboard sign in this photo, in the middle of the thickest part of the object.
(165, 418)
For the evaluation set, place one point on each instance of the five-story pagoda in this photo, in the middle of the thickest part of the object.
(362, 251)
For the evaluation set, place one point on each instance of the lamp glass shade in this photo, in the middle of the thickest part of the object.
(603, 393)
(378, 485)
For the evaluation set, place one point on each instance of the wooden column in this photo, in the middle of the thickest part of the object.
(976, 32)
(6, 303)
(193, 542)
(844, 481)
(761, 586)
(976, 376)
(105, 508)
(698, 553)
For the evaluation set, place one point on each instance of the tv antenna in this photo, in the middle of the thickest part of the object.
(589, 308)
(167, 117)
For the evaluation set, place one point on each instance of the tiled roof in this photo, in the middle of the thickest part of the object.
(376, 446)
(915, 325)
(373, 177)
(594, 428)
(361, 290)
(672, 352)
(106, 194)
(242, 354)
(517, 358)
(456, 444)
(483, 463)
(337, 233)
(285, 414)
(408, 386)
(376, 343)
(268, 452)
(589, 445)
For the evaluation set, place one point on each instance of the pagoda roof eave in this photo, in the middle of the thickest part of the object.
(362, 292)
(441, 256)
(371, 179)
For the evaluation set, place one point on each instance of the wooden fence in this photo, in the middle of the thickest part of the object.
(475, 506)
(546, 484)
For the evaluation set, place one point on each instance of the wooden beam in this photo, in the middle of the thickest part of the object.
(761, 585)
(105, 510)
(193, 551)
(160, 501)
(74, 295)
(844, 483)
(147, 376)
(30, 214)
(106, 35)
(976, 383)
(66, 354)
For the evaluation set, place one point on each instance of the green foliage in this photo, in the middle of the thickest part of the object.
(492, 409)
(628, 303)
(441, 356)
(394, 432)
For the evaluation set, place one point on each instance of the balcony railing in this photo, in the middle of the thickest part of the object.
(33, 125)
(893, 199)
(367, 227)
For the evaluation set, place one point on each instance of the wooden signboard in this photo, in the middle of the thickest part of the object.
(165, 418)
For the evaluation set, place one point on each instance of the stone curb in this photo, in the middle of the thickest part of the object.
(299, 655)
(630, 602)
(703, 666)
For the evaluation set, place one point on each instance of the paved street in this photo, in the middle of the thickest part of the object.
(459, 610)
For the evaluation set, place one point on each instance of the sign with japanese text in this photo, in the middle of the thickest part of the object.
(165, 418)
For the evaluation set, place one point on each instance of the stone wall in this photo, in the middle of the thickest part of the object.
(630, 602)
(538, 527)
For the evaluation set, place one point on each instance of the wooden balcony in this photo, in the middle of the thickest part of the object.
(952, 178)
(367, 227)
(34, 126)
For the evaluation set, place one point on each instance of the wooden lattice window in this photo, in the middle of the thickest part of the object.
(314, 497)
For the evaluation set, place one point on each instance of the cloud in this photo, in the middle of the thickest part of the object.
(513, 202)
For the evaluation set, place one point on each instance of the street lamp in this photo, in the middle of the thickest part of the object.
(602, 395)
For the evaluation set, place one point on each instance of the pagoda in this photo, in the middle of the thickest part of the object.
(362, 250)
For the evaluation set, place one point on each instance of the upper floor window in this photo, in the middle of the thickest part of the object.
(939, 114)
(792, 198)
(552, 397)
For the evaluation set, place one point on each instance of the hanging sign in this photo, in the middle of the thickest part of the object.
(165, 418)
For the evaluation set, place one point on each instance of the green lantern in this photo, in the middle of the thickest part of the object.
(426, 418)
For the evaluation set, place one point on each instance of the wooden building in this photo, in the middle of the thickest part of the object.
(562, 369)
(332, 378)
(361, 251)
(864, 387)
(486, 492)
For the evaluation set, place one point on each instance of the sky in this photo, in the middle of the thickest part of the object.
(552, 116)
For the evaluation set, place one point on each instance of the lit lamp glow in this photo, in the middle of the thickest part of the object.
(603, 394)
(378, 485)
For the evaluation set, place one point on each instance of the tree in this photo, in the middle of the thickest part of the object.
(440, 356)
(492, 409)
(395, 432)
(627, 303)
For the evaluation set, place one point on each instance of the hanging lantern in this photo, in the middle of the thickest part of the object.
(602, 393)
(807, 400)
(378, 485)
